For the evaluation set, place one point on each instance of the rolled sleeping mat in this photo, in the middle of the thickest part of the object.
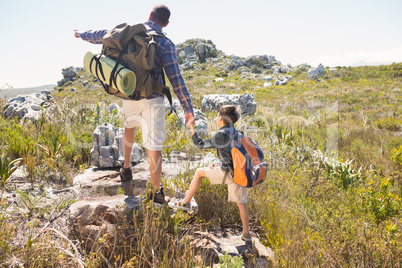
(125, 79)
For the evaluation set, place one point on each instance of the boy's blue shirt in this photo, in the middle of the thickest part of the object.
(220, 140)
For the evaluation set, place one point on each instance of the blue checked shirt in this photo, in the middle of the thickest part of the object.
(165, 56)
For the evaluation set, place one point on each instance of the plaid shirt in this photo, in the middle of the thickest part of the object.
(165, 57)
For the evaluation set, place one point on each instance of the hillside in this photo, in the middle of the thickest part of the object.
(332, 139)
(12, 92)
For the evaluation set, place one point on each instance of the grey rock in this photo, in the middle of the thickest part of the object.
(315, 72)
(246, 102)
(175, 105)
(86, 208)
(30, 106)
(267, 78)
(108, 149)
(69, 72)
(282, 80)
(200, 121)
(107, 181)
(189, 50)
(114, 106)
(216, 243)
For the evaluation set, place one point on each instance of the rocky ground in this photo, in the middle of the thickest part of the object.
(98, 195)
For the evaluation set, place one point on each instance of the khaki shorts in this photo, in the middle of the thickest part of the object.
(236, 193)
(149, 114)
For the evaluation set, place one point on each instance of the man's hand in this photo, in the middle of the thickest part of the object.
(77, 33)
(190, 121)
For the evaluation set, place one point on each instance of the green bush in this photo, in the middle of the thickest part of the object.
(396, 155)
(390, 123)
(380, 202)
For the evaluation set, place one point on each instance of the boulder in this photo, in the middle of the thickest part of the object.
(69, 72)
(267, 78)
(315, 72)
(246, 102)
(200, 121)
(199, 116)
(215, 243)
(175, 105)
(109, 182)
(31, 106)
(90, 209)
(282, 80)
(108, 149)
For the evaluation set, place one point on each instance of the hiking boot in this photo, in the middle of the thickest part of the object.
(159, 196)
(126, 174)
(246, 237)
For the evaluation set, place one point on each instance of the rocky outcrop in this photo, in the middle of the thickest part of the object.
(108, 149)
(200, 121)
(69, 74)
(31, 106)
(282, 80)
(199, 116)
(314, 73)
(215, 243)
(246, 102)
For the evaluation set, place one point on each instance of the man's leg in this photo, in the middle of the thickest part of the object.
(244, 215)
(195, 185)
(155, 167)
(128, 142)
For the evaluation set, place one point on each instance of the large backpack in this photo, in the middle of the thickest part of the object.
(249, 166)
(134, 48)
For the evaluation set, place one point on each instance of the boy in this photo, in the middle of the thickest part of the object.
(221, 140)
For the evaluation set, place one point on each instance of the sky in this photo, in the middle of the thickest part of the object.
(37, 37)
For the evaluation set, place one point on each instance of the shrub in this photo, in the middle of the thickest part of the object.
(390, 123)
(344, 174)
(396, 155)
(380, 202)
(7, 168)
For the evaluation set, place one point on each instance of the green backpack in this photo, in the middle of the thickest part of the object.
(134, 48)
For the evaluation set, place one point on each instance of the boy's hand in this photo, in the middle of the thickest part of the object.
(77, 33)
(213, 166)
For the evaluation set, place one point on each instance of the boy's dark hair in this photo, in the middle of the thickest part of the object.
(229, 113)
(161, 14)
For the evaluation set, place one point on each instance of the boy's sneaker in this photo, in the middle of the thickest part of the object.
(246, 237)
(126, 174)
(184, 206)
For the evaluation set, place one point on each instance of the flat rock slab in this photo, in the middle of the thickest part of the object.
(218, 242)
(86, 208)
(109, 182)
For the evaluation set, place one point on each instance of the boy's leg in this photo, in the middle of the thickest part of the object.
(244, 215)
(195, 185)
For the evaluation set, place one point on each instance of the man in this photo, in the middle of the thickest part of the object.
(149, 113)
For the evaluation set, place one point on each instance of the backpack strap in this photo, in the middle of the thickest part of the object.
(232, 133)
(224, 179)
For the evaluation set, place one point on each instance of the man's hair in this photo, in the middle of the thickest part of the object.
(160, 14)
(229, 113)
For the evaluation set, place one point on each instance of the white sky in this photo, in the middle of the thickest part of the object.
(37, 36)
